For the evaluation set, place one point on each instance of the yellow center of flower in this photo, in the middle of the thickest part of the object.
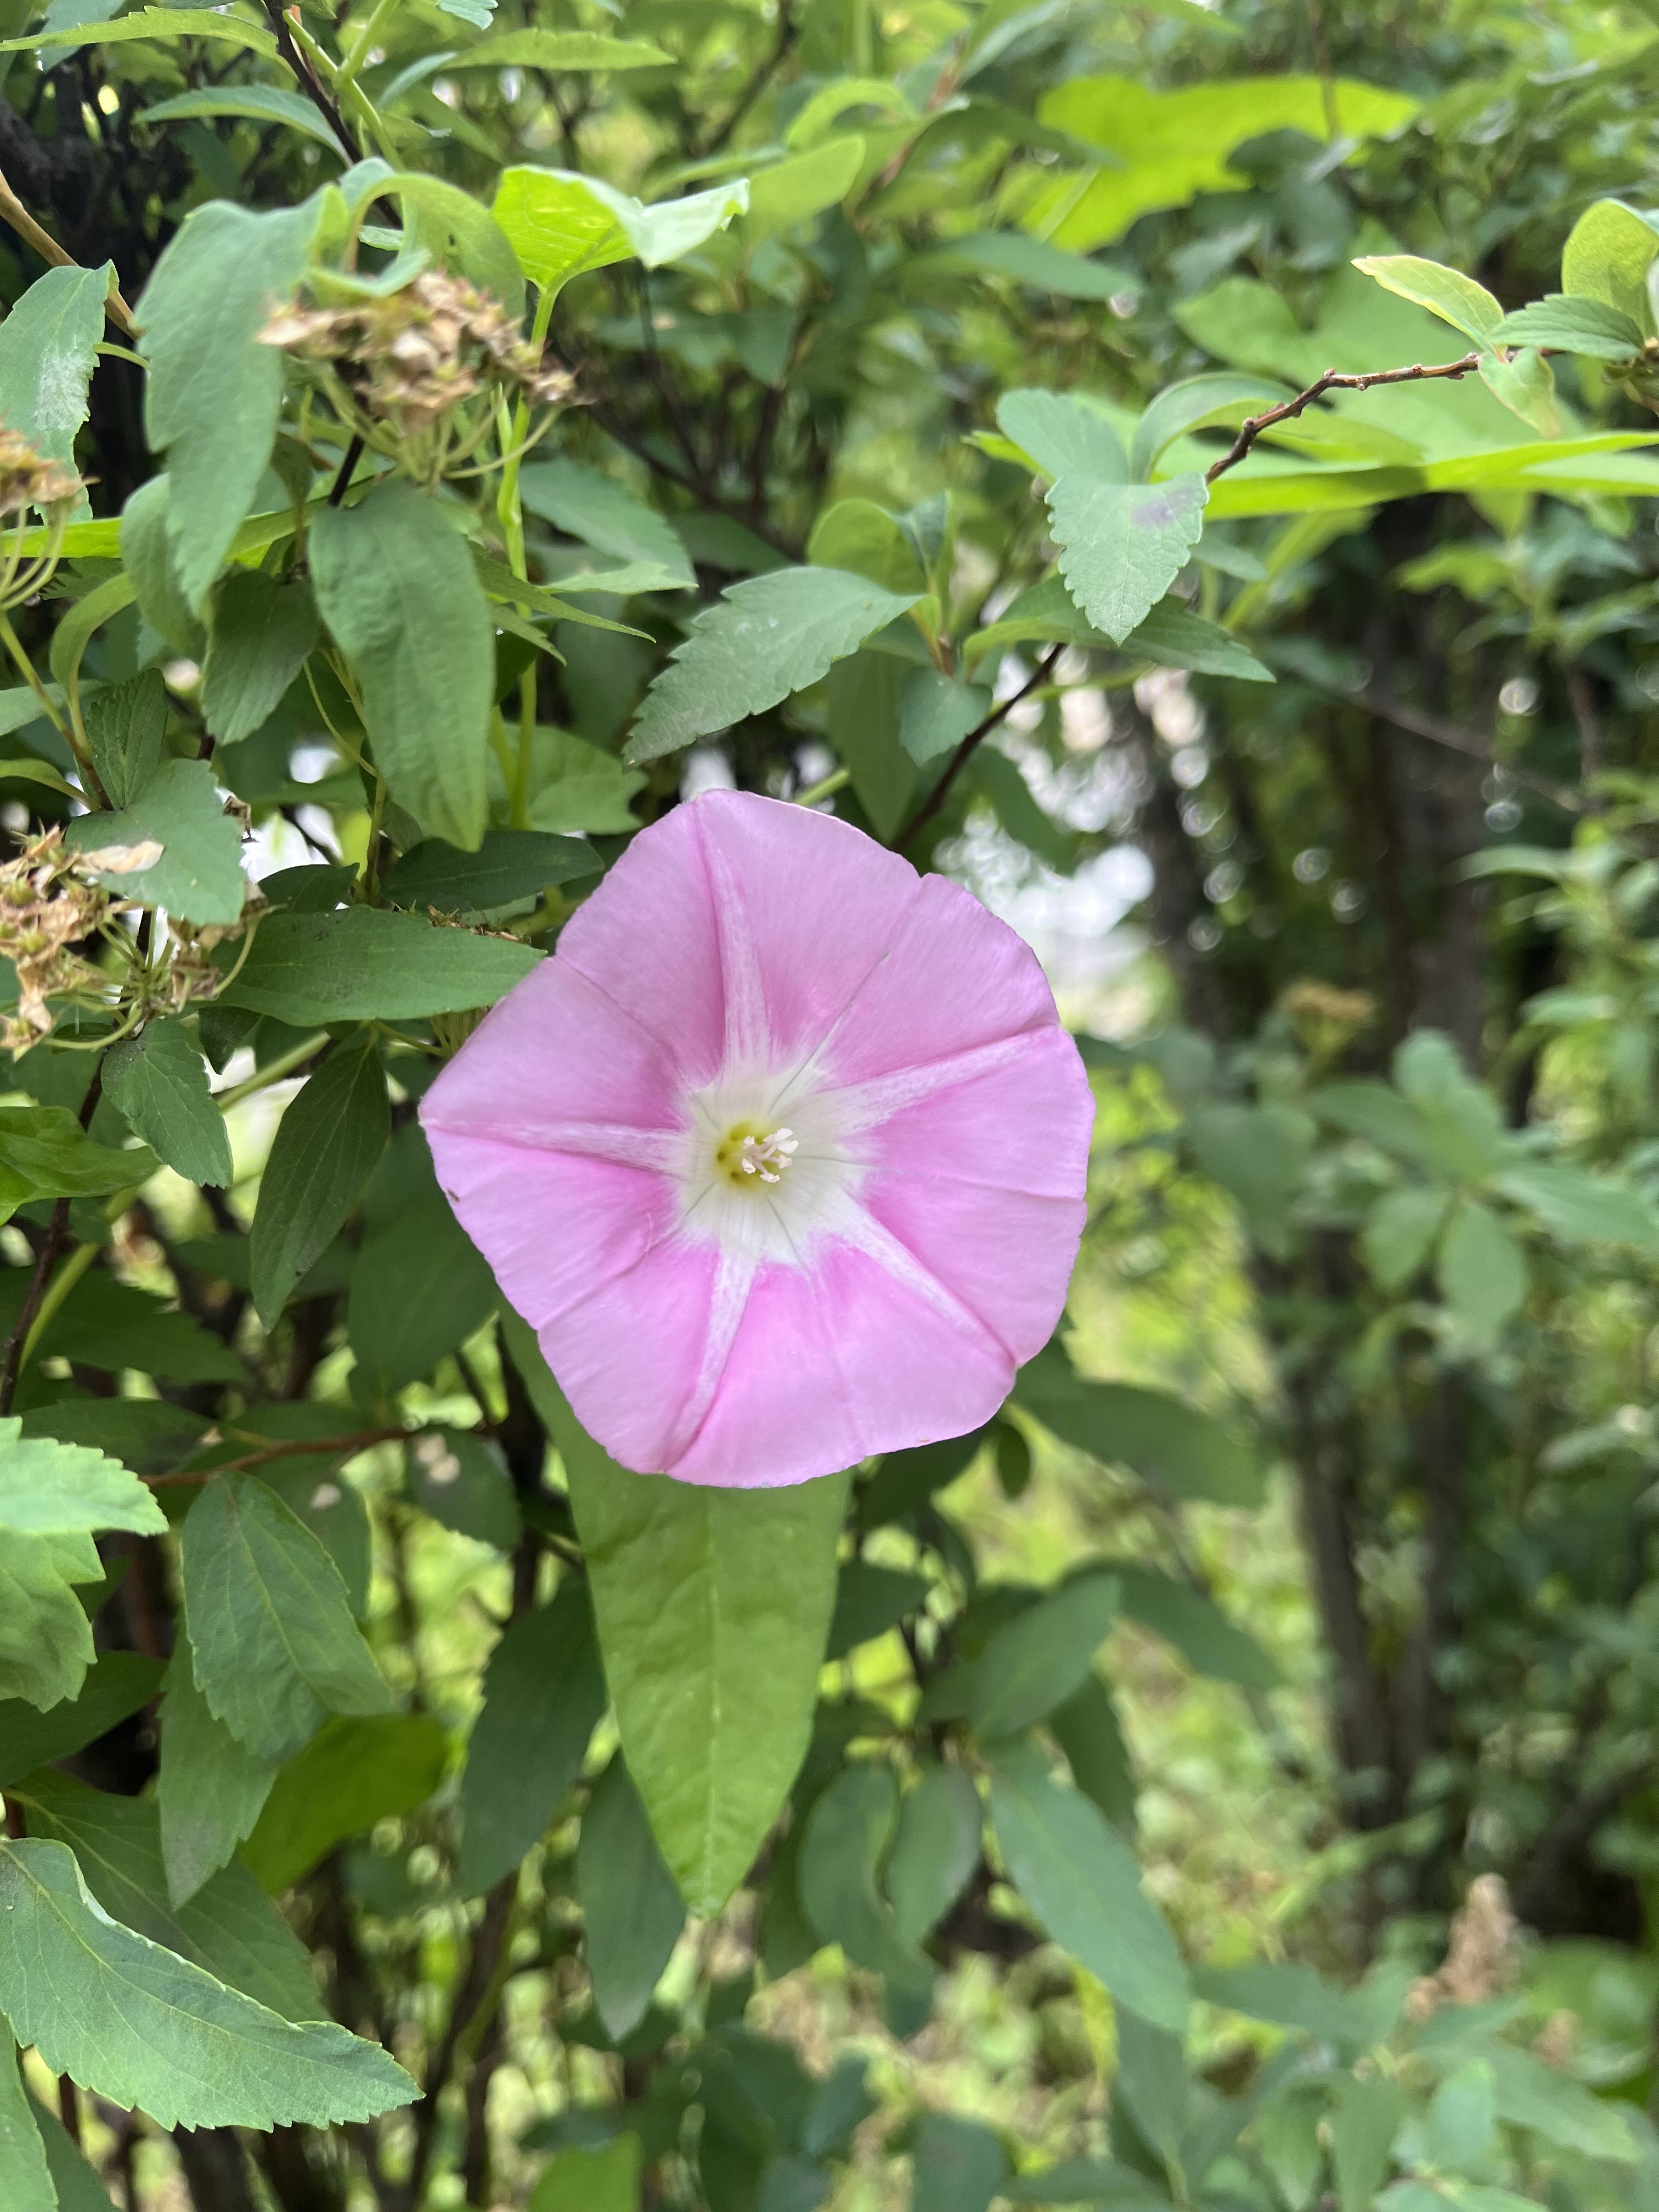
(750, 1155)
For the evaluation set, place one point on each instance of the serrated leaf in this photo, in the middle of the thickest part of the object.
(273, 1643)
(229, 1927)
(321, 1157)
(764, 638)
(632, 1912)
(172, 846)
(130, 2021)
(396, 585)
(47, 353)
(264, 633)
(1589, 327)
(352, 1774)
(1122, 545)
(118, 1684)
(1178, 638)
(365, 964)
(1062, 435)
(1608, 252)
(126, 732)
(159, 1082)
(543, 1695)
(51, 1489)
(1081, 1879)
(214, 392)
(509, 865)
(211, 1787)
(713, 1608)
(46, 1639)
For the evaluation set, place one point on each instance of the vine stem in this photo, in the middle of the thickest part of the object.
(1332, 380)
(46, 1260)
(14, 212)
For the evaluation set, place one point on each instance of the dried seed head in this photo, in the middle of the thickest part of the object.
(412, 357)
(46, 908)
(29, 479)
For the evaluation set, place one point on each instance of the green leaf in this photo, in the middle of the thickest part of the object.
(860, 538)
(1122, 545)
(543, 1695)
(174, 846)
(47, 354)
(264, 633)
(211, 1786)
(1289, 1994)
(1174, 1446)
(713, 1608)
(164, 24)
(560, 50)
(1042, 1657)
(1033, 262)
(585, 504)
(561, 224)
(1175, 639)
(509, 865)
(1591, 328)
(632, 1912)
(272, 1640)
(259, 103)
(1526, 385)
(159, 1082)
(766, 637)
(395, 584)
(116, 1684)
(79, 2189)
(1369, 2111)
(45, 1640)
(790, 191)
(1062, 435)
(126, 731)
(869, 1600)
(1259, 1153)
(936, 713)
(112, 1325)
(1581, 1208)
(365, 964)
(862, 698)
(1481, 1271)
(228, 1929)
(1080, 1879)
(1456, 299)
(321, 1157)
(146, 553)
(451, 225)
(46, 1153)
(1399, 1233)
(604, 2179)
(935, 1849)
(25, 2183)
(419, 1290)
(214, 392)
(1087, 1729)
(847, 1835)
(461, 1481)
(1211, 1645)
(1606, 257)
(136, 2024)
(958, 2165)
(49, 1489)
(1198, 402)
(351, 1774)
(75, 632)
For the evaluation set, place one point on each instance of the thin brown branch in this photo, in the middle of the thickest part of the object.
(290, 1448)
(309, 82)
(788, 32)
(1332, 380)
(14, 212)
(965, 752)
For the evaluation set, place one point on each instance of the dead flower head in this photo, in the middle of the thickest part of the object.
(1482, 1953)
(30, 479)
(410, 357)
(44, 909)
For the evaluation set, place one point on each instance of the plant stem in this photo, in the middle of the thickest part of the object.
(965, 752)
(358, 52)
(284, 1065)
(1332, 380)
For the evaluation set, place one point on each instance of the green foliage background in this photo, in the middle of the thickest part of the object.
(409, 412)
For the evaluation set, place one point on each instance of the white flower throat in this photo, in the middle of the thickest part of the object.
(748, 1153)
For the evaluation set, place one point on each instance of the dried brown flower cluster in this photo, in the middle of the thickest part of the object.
(1481, 1953)
(44, 909)
(28, 479)
(410, 358)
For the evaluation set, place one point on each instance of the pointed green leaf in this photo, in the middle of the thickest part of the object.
(211, 1786)
(1481, 1271)
(159, 1081)
(147, 552)
(26, 2182)
(49, 1489)
(1456, 299)
(173, 846)
(395, 584)
(1122, 545)
(847, 1835)
(264, 633)
(46, 1153)
(1608, 252)
(365, 964)
(323, 1154)
(354, 1773)
(214, 391)
(79, 2189)
(765, 638)
(604, 514)
(46, 1639)
(118, 1684)
(126, 732)
(1589, 327)
(562, 223)
(935, 1849)
(560, 50)
(47, 353)
(632, 1911)
(260, 103)
(714, 1610)
(136, 2024)
(275, 1647)
(1042, 1657)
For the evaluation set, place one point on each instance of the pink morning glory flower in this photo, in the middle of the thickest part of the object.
(781, 1155)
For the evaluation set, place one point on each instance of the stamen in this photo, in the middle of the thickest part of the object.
(768, 1156)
